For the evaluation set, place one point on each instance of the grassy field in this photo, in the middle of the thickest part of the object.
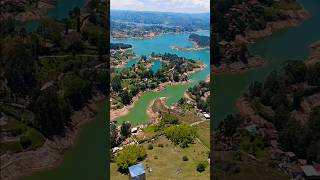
(166, 162)
(203, 131)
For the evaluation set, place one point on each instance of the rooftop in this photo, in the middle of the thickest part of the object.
(136, 170)
(309, 170)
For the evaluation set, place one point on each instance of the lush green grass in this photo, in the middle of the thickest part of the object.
(166, 162)
(203, 131)
(188, 118)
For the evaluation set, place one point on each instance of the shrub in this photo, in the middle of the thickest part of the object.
(155, 157)
(181, 135)
(130, 156)
(160, 145)
(185, 158)
(150, 146)
(201, 167)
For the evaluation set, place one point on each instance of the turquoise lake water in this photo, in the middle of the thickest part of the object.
(161, 44)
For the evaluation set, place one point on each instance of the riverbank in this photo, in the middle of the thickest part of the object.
(114, 114)
(238, 67)
(196, 47)
(51, 154)
(294, 19)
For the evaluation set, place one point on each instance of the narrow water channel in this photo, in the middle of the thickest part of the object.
(161, 44)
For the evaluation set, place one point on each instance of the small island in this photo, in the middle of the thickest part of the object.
(199, 42)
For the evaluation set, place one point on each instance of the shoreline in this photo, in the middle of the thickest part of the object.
(196, 47)
(239, 67)
(154, 36)
(114, 114)
(296, 18)
(52, 153)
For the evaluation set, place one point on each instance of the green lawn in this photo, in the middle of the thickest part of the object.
(166, 162)
(203, 131)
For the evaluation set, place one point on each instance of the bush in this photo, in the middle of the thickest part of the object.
(160, 145)
(130, 156)
(201, 167)
(185, 158)
(181, 135)
(155, 157)
(150, 146)
(25, 142)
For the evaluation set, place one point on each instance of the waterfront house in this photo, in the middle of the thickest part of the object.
(137, 172)
(310, 172)
(206, 115)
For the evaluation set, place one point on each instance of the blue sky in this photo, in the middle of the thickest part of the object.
(183, 6)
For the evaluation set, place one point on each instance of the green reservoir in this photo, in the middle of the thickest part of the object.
(161, 44)
(292, 43)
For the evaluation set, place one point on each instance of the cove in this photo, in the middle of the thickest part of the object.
(288, 44)
(161, 44)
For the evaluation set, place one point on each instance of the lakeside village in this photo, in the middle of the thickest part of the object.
(168, 127)
(144, 25)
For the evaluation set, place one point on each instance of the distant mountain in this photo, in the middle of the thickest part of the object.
(201, 20)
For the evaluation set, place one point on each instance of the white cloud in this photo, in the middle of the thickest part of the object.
(192, 6)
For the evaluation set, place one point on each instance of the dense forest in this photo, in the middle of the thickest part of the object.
(233, 19)
(202, 41)
(287, 94)
(201, 94)
(117, 46)
(48, 74)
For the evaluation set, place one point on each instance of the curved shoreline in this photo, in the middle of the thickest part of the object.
(239, 67)
(296, 18)
(52, 153)
(114, 114)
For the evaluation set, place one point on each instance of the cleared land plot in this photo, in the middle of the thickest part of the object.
(166, 162)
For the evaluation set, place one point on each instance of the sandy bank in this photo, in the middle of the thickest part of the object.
(238, 67)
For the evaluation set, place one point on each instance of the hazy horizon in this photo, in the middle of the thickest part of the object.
(172, 6)
(159, 11)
